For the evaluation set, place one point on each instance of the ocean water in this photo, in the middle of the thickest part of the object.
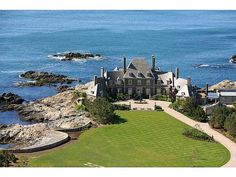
(177, 38)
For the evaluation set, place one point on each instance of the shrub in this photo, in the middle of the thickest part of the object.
(230, 124)
(82, 94)
(218, 117)
(6, 158)
(161, 97)
(121, 107)
(80, 107)
(118, 97)
(196, 134)
(158, 108)
(234, 104)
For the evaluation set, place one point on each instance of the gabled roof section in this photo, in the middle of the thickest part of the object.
(165, 77)
(138, 68)
(185, 91)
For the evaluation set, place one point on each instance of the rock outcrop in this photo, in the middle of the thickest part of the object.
(49, 114)
(225, 84)
(75, 55)
(233, 59)
(44, 78)
(52, 108)
(8, 101)
(23, 135)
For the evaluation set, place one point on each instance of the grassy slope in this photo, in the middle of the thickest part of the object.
(146, 139)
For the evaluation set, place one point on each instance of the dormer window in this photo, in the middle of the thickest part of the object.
(119, 81)
(139, 74)
(130, 74)
(148, 74)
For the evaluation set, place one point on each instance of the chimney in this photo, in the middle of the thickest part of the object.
(102, 72)
(189, 81)
(173, 80)
(95, 80)
(153, 63)
(177, 73)
(124, 64)
(207, 88)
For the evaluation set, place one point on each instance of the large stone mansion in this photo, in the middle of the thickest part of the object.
(138, 78)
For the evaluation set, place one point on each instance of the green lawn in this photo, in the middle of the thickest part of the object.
(148, 138)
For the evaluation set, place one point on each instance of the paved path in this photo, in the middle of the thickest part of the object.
(230, 145)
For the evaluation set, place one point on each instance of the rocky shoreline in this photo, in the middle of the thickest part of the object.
(49, 114)
(43, 78)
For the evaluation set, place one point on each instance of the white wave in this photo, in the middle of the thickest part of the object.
(12, 71)
(202, 65)
(56, 57)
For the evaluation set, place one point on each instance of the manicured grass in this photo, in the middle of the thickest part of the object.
(148, 138)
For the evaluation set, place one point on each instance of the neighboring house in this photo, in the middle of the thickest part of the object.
(227, 97)
(137, 79)
(222, 96)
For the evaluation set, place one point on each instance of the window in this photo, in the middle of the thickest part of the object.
(148, 82)
(139, 90)
(168, 82)
(119, 81)
(130, 91)
(148, 91)
(119, 90)
(139, 82)
(129, 82)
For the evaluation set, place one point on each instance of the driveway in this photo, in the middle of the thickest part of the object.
(230, 145)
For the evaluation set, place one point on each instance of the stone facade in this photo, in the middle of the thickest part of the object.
(136, 79)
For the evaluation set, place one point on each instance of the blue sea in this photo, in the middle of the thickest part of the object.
(177, 38)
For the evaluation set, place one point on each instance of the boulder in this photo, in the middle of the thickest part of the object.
(8, 101)
(63, 88)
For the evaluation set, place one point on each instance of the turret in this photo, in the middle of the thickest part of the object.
(207, 87)
(153, 63)
(177, 73)
(124, 64)
(189, 81)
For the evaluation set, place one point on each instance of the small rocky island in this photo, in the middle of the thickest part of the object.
(75, 55)
(233, 59)
(43, 78)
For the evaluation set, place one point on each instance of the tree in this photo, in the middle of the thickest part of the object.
(230, 124)
(103, 111)
(218, 117)
(189, 105)
(192, 109)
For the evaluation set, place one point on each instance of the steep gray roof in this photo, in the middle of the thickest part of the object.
(115, 74)
(138, 68)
